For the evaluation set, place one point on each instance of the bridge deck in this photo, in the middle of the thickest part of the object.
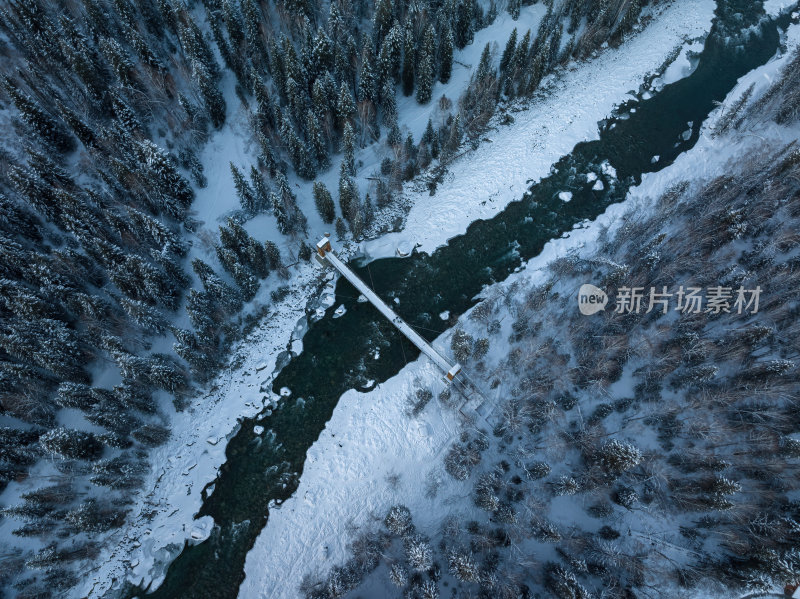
(324, 250)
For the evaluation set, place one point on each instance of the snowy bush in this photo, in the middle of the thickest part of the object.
(462, 565)
(617, 457)
(461, 344)
(566, 485)
(626, 497)
(563, 583)
(70, 443)
(419, 553)
(398, 575)
(398, 520)
(537, 470)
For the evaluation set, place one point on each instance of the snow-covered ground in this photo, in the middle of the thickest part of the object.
(163, 515)
(499, 172)
(372, 455)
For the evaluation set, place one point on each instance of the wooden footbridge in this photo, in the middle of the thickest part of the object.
(326, 253)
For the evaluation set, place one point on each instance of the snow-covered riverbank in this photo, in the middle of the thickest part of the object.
(574, 101)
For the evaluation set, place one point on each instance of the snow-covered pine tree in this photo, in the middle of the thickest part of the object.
(367, 81)
(463, 24)
(48, 128)
(389, 58)
(71, 444)
(424, 78)
(349, 202)
(316, 142)
(409, 58)
(508, 53)
(446, 53)
(260, 191)
(348, 167)
(341, 228)
(345, 107)
(324, 202)
(246, 195)
(419, 553)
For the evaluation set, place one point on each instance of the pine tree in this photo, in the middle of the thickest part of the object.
(215, 103)
(462, 566)
(49, 129)
(71, 444)
(508, 53)
(398, 520)
(389, 103)
(219, 291)
(367, 82)
(454, 139)
(341, 228)
(297, 150)
(390, 56)
(245, 280)
(485, 65)
(324, 202)
(381, 21)
(514, 8)
(446, 54)
(516, 67)
(419, 553)
(260, 192)
(246, 195)
(348, 167)
(424, 78)
(322, 52)
(394, 137)
(280, 213)
(345, 107)
(273, 255)
(348, 197)
(316, 141)
(79, 127)
(119, 60)
(304, 253)
(409, 58)
(463, 25)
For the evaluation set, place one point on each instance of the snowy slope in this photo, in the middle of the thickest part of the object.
(344, 486)
(482, 183)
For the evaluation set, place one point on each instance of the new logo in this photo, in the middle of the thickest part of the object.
(591, 300)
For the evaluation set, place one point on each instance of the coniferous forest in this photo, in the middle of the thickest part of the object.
(108, 324)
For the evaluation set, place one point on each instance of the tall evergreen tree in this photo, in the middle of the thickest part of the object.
(48, 128)
(409, 58)
(390, 56)
(508, 53)
(345, 107)
(215, 103)
(324, 202)
(367, 83)
(425, 71)
(389, 103)
(316, 141)
(260, 192)
(348, 149)
(463, 24)
(446, 54)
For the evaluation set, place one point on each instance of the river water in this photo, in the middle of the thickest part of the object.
(340, 353)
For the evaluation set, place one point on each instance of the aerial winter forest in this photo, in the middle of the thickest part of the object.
(403, 299)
